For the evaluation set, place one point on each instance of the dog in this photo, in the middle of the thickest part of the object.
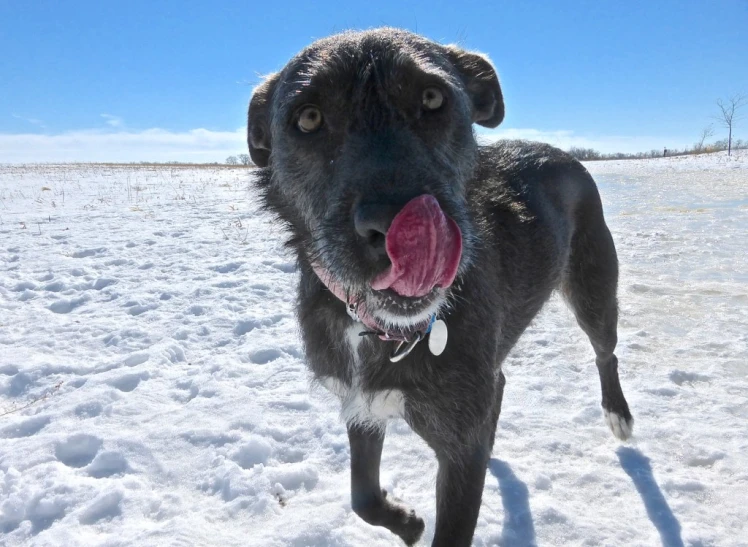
(422, 255)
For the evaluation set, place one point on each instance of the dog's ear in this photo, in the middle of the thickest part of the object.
(482, 85)
(258, 121)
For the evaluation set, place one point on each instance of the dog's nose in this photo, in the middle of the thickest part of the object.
(372, 220)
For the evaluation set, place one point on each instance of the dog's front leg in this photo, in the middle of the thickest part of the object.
(459, 490)
(368, 499)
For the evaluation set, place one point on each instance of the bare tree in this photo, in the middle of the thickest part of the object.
(243, 159)
(728, 115)
(707, 132)
(231, 160)
(584, 154)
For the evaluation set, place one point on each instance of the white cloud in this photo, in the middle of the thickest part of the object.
(32, 121)
(566, 139)
(157, 145)
(202, 145)
(113, 121)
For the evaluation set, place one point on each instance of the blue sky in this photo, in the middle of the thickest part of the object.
(161, 80)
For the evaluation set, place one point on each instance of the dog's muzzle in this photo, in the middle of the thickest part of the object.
(424, 246)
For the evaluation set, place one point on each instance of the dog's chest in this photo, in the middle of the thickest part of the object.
(359, 406)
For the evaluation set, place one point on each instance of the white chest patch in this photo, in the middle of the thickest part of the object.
(368, 408)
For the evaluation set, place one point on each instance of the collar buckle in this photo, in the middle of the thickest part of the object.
(404, 347)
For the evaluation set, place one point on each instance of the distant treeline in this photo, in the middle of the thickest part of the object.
(590, 154)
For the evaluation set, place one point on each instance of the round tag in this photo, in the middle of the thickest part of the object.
(438, 337)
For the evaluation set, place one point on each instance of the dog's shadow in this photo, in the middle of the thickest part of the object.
(637, 466)
(518, 525)
(515, 498)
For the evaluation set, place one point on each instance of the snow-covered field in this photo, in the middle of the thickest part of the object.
(148, 312)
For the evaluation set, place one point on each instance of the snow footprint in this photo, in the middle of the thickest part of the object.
(245, 326)
(255, 451)
(26, 428)
(190, 391)
(83, 450)
(196, 310)
(680, 377)
(102, 283)
(291, 473)
(106, 464)
(264, 356)
(294, 476)
(85, 253)
(66, 305)
(136, 308)
(227, 268)
(55, 286)
(89, 410)
(173, 354)
(104, 507)
(78, 450)
(129, 382)
(285, 267)
(18, 384)
(24, 286)
(136, 359)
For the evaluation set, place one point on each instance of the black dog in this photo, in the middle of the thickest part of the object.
(405, 230)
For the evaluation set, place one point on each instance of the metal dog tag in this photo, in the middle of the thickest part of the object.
(438, 337)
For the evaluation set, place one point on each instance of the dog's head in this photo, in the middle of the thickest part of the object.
(368, 142)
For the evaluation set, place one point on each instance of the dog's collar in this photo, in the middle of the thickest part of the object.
(406, 339)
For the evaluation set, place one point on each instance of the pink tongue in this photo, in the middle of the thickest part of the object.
(424, 246)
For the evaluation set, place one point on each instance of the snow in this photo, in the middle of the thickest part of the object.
(150, 312)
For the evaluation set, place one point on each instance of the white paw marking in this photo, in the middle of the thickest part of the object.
(620, 427)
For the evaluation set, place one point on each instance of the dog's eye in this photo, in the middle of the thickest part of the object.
(310, 119)
(433, 98)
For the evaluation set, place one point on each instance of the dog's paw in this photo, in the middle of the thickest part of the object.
(621, 427)
(403, 521)
(411, 528)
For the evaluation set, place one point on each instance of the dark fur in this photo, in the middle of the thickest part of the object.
(531, 220)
